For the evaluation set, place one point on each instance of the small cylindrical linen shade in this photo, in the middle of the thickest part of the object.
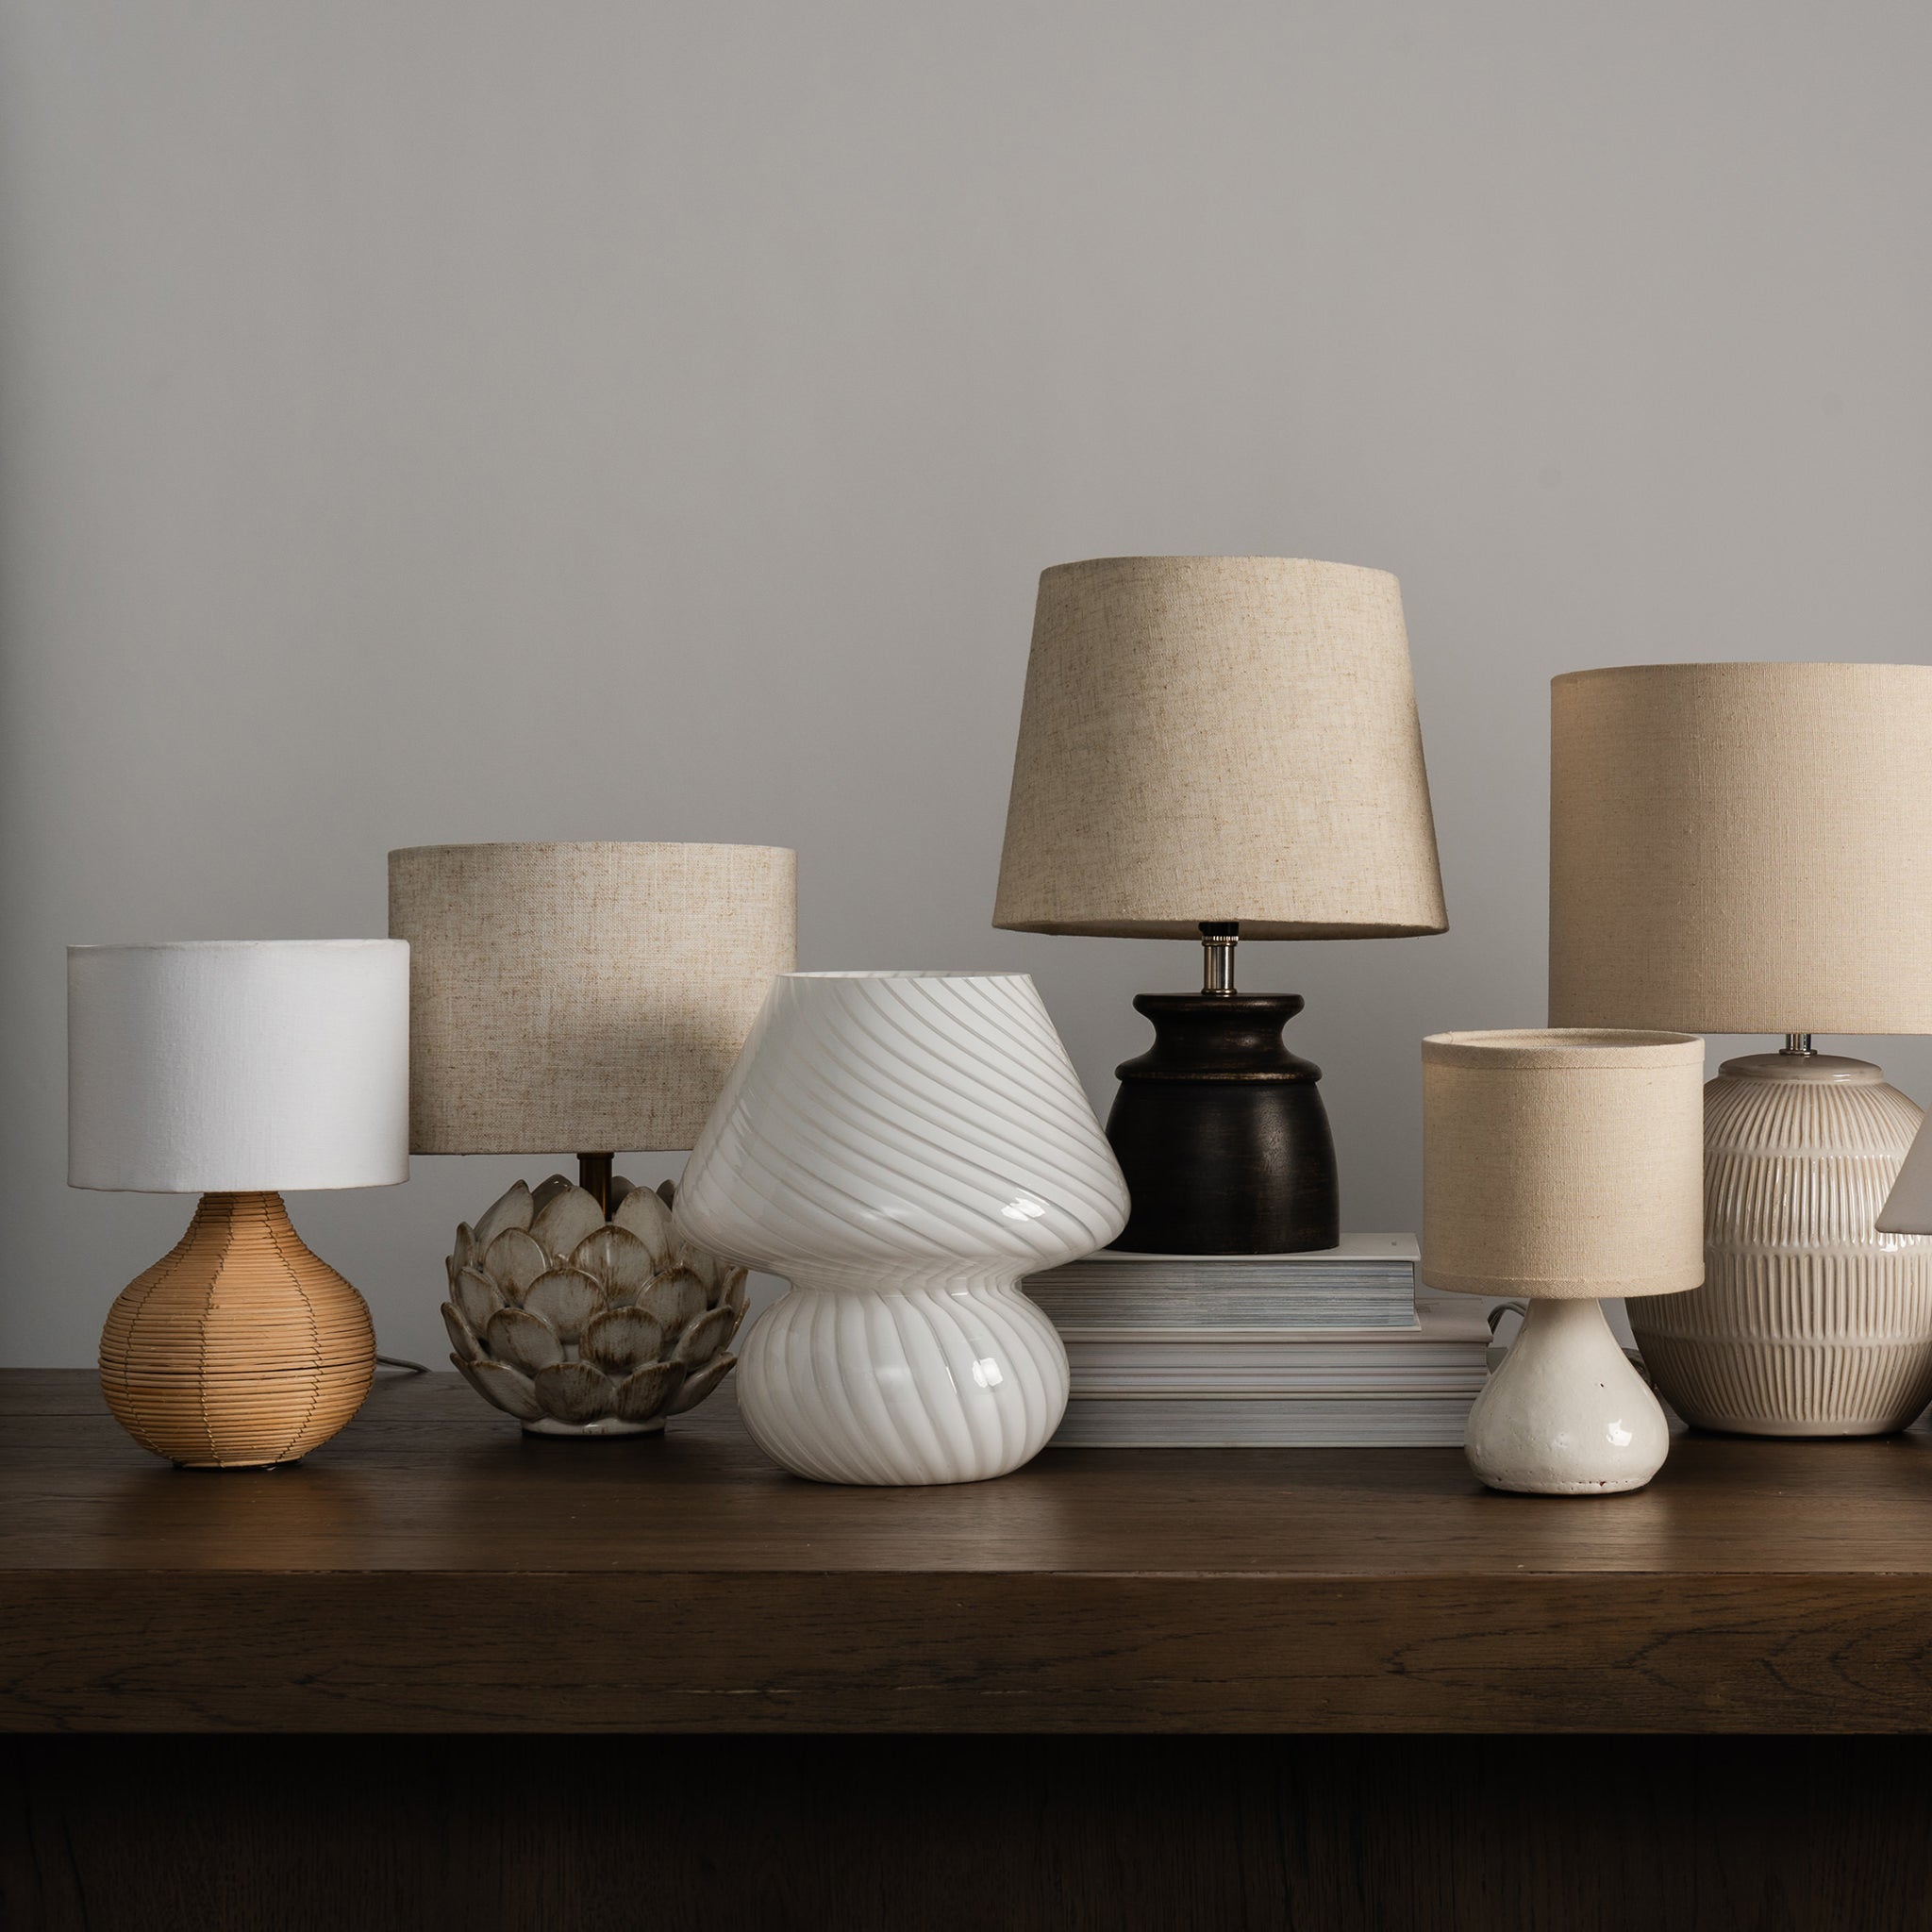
(586, 998)
(1742, 848)
(1219, 738)
(238, 1066)
(1566, 1164)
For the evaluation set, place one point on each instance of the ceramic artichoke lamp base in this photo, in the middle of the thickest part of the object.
(579, 1326)
(1810, 1321)
(1565, 1414)
(240, 1349)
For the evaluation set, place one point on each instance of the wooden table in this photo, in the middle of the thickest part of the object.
(433, 1572)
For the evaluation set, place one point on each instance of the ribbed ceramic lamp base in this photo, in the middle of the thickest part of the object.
(1809, 1321)
(938, 1381)
(239, 1348)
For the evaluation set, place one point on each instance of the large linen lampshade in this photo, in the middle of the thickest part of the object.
(1747, 848)
(1221, 749)
(235, 1071)
(903, 1147)
(589, 998)
(1563, 1165)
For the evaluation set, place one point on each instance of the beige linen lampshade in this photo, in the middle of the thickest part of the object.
(582, 997)
(1742, 848)
(1564, 1166)
(1219, 739)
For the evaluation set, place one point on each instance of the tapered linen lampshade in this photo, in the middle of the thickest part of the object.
(582, 997)
(1563, 1165)
(235, 1071)
(1747, 848)
(1221, 749)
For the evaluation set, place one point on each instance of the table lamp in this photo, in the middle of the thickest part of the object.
(1563, 1166)
(903, 1147)
(236, 1070)
(586, 998)
(1221, 749)
(1747, 848)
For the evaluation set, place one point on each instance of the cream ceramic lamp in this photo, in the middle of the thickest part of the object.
(1747, 848)
(1221, 749)
(1563, 1166)
(235, 1071)
(903, 1147)
(590, 999)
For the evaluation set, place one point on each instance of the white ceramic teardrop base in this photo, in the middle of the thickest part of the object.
(1565, 1414)
(933, 1381)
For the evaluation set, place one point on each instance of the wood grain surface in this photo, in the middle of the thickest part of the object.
(964, 1834)
(433, 1569)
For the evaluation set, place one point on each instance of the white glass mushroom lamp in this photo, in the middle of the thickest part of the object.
(901, 1147)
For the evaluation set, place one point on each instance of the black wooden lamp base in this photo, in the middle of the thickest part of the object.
(1222, 1133)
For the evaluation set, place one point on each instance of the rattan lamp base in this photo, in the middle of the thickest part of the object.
(240, 1349)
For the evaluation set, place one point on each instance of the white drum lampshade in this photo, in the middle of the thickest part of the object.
(1747, 848)
(1564, 1166)
(590, 999)
(236, 1070)
(903, 1147)
(1221, 749)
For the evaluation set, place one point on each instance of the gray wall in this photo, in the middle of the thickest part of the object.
(430, 419)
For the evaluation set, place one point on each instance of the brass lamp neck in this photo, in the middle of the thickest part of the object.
(1799, 1047)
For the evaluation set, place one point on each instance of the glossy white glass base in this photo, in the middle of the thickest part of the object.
(930, 1380)
(1565, 1414)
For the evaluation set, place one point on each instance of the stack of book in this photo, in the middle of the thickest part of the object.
(1339, 1348)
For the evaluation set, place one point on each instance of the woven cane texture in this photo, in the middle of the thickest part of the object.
(239, 1348)
(1564, 1164)
(582, 998)
(1742, 848)
(1219, 738)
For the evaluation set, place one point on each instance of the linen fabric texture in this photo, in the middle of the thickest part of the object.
(1565, 1164)
(583, 997)
(243, 1066)
(1219, 738)
(1742, 848)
